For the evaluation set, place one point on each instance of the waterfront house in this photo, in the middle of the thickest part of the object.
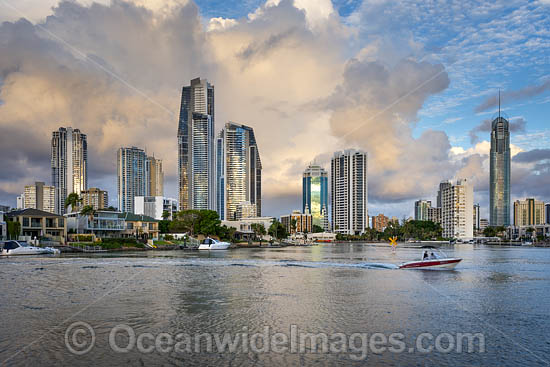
(39, 224)
(140, 226)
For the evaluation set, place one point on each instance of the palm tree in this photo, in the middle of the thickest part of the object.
(90, 212)
(73, 200)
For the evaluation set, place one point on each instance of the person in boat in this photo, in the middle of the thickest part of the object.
(425, 256)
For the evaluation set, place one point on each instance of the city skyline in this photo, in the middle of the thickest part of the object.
(300, 114)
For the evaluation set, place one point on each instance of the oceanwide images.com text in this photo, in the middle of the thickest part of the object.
(80, 339)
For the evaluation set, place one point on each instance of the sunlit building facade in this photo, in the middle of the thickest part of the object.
(96, 198)
(529, 212)
(39, 196)
(196, 160)
(155, 177)
(315, 195)
(238, 173)
(69, 163)
(132, 177)
(457, 210)
(499, 196)
(349, 192)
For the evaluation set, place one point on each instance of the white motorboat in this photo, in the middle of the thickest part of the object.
(432, 260)
(12, 248)
(212, 244)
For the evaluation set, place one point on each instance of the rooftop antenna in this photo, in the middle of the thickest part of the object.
(499, 104)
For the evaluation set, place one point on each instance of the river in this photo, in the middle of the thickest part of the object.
(175, 307)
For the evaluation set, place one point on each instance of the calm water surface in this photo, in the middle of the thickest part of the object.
(503, 293)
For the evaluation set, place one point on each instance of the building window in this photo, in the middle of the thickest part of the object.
(25, 222)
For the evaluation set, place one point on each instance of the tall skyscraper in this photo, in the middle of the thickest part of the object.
(457, 210)
(500, 169)
(69, 159)
(349, 191)
(315, 194)
(39, 196)
(238, 172)
(529, 212)
(155, 177)
(421, 208)
(132, 177)
(196, 160)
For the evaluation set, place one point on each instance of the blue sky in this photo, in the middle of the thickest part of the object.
(406, 81)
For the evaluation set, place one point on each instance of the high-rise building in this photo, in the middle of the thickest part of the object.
(238, 172)
(434, 214)
(529, 212)
(298, 222)
(380, 222)
(442, 186)
(421, 208)
(349, 191)
(98, 199)
(39, 196)
(196, 161)
(155, 177)
(69, 161)
(132, 177)
(476, 217)
(547, 213)
(156, 207)
(500, 170)
(457, 208)
(315, 194)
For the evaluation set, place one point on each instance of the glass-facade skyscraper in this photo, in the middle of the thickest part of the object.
(132, 177)
(69, 162)
(499, 197)
(315, 195)
(238, 173)
(196, 160)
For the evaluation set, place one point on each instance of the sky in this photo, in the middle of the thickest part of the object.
(413, 83)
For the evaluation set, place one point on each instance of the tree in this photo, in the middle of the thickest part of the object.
(293, 224)
(278, 230)
(259, 230)
(73, 200)
(208, 222)
(317, 229)
(164, 226)
(165, 215)
(490, 232)
(14, 229)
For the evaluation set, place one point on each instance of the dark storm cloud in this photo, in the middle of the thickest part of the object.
(507, 97)
(531, 156)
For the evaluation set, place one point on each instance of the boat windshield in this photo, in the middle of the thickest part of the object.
(24, 244)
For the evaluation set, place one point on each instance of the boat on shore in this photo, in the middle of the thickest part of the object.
(212, 244)
(435, 260)
(16, 248)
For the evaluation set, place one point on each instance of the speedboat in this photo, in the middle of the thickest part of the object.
(212, 244)
(12, 248)
(432, 261)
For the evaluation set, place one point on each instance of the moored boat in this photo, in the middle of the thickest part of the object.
(12, 248)
(212, 244)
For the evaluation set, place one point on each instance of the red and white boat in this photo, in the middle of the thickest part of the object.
(432, 261)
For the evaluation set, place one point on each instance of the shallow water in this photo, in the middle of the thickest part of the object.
(501, 292)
